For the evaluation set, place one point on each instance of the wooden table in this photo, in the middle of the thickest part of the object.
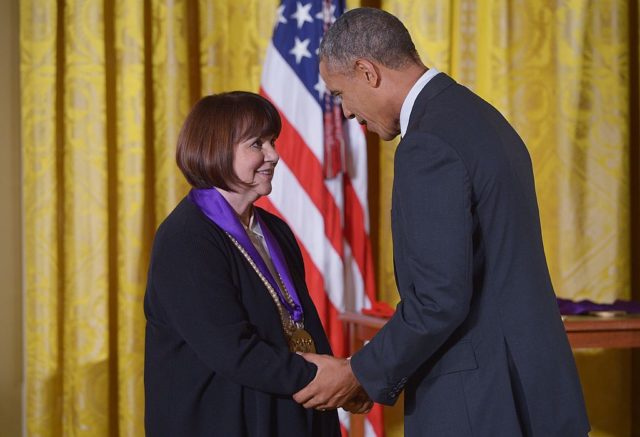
(583, 332)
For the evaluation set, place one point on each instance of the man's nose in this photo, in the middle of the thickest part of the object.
(347, 112)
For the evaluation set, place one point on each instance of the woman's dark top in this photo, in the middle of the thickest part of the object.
(216, 359)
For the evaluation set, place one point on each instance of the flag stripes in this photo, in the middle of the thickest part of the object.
(328, 215)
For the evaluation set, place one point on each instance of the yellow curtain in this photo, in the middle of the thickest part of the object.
(559, 71)
(107, 83)
(105, 87)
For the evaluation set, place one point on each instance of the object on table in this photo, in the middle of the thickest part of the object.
(607, 310)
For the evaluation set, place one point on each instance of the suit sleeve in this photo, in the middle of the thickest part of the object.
(432, 206)
(193, 287)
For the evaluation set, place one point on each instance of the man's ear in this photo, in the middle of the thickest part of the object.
(368, 71)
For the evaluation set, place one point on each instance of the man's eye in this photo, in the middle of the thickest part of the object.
(337, 100)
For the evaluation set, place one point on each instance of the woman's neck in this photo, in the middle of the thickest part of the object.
(242, 206)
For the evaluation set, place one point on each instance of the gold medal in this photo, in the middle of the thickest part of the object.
(301, 341)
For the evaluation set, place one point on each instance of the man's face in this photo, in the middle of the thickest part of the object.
(362, 101)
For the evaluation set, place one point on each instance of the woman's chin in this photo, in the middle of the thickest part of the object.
(266, 192)
(263, 190)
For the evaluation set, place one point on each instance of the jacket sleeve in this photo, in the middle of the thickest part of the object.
(194, 293)
(431, 207)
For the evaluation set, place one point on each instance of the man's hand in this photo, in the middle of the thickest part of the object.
(359, 404)
(334, 386)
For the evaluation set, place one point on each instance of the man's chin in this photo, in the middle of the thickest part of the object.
(388, 136)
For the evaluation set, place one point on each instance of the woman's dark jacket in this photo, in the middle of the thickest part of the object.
(216, 359)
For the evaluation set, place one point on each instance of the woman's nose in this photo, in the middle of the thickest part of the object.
(270, 154)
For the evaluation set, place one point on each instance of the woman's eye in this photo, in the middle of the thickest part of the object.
(257, 145)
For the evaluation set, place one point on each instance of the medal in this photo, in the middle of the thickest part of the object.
(301, 341)
(278, 283)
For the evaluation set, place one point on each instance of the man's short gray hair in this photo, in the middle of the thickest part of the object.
(367, 33)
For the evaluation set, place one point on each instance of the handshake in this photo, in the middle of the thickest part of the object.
(334, 386)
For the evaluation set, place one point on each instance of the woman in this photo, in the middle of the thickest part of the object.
(226, 303)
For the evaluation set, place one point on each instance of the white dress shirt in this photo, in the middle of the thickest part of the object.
(407, 105)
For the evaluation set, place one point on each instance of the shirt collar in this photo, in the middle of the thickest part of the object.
(254, 226)
(407, 105)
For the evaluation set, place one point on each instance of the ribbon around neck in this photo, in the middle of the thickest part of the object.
(218, 210)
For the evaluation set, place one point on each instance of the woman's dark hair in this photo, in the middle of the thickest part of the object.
(215, 125)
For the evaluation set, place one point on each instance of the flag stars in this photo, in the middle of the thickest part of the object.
(280, 15)
(300, 49)
(327, 12)
(321, 87)
(302, 14)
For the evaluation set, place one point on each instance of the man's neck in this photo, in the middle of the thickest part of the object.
(400, 83)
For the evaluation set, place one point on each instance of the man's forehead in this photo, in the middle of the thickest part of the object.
(327, 74)
(323, 67)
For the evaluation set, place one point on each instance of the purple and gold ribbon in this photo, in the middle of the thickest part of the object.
(218, 210)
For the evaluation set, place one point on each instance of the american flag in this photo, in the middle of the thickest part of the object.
(320, 186)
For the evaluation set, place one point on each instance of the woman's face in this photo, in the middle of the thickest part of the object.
(254, 161)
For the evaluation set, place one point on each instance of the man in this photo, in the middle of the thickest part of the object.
(476, 342)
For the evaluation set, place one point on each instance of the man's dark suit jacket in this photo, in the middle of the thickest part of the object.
(476, 342)
(216, 359)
